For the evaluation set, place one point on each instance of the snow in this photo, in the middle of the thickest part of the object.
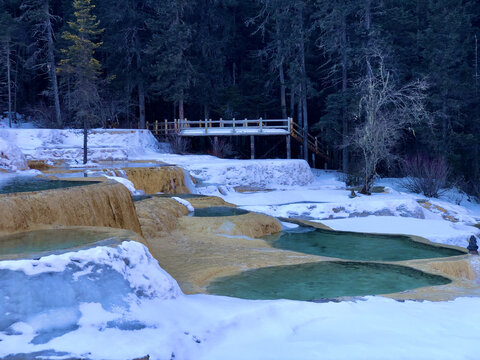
(11, 157)
(185, 203)
(125, 182)
(103, 144)
(209, 170)
(439, 231)
(118, 303)
(122, 297)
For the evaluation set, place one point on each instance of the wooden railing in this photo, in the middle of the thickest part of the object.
(177, 126)
(164, 128)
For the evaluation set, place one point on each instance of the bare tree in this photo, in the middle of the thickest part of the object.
(385, 112)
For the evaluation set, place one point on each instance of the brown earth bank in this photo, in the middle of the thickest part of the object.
(164, 179)
(108, 204)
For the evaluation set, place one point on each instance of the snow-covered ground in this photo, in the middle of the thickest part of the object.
(117, 303)
(140, 310)
(54, 144)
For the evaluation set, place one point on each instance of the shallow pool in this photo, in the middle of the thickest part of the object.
(181, 196)
(357, 246)
(219, 211)
(323, 280)
(34, 244)
(20, 184)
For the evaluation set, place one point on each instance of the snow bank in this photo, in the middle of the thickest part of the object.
(11, 157)
(439, 231)
(340, 210)
(185, 203)
(103, 144)
(112, 278)
(258, 173)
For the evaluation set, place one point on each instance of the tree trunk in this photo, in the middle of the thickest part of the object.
(53, 66)
(181, 114)
(15, 82)
(141, 104)
(9, 83)
(85, 141)
(344, 95)
(283, 101)
(303, 85)
(292, 102)
(206, 112)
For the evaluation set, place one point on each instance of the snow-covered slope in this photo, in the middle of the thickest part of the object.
(11, 157)
(117, 303)
(54, 144)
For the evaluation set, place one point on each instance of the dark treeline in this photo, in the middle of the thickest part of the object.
(376, 80)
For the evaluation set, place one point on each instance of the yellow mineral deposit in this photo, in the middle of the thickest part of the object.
(105, 204)
(165, 179)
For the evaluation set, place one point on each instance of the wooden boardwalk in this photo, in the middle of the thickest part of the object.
(260, 127)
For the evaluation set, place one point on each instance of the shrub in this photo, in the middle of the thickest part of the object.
(425, 175)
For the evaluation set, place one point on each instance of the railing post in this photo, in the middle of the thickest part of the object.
(166, 127)
(245, 124)
(147, 125)
(156, 127)
(221, 122)
(233, 124)
(175, 125)
(206, 126)
(252, 147)
(289, 148)
(211, 125)
(261, 125)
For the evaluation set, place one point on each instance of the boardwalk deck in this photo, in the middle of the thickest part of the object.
(261, 127)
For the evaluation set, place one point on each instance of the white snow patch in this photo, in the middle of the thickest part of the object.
(11, 157)
(439, 231)
(125, 182)
(185, 203)
(103, 144)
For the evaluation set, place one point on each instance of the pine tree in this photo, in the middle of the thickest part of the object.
(170, 46)
(8, 27)
(38, 13)
(79, 63)
(334, 22)
(125, 42)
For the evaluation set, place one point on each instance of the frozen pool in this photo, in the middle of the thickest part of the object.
(182, 196)
(35, 244)
(18, 184)
(219, 211)
(357, 246)
(322, 280)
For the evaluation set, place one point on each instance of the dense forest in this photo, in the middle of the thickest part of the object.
(380, 82)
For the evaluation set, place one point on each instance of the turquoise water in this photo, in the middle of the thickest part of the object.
(356, 246)
(219, 211)
(323, 280)
(33, 244)
(20, 184)
(181, 196)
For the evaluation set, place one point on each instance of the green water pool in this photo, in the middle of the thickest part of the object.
(181, 196)
(219, 211)
(34, 244)
(323, 280)
(19, 184)
(356, 246)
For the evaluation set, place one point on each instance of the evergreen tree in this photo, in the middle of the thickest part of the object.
(170, 46)
(38, 13)
(80, 64)
(126, 39)
(334, 21)
(8, 29)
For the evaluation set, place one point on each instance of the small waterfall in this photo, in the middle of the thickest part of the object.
(188, 182)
